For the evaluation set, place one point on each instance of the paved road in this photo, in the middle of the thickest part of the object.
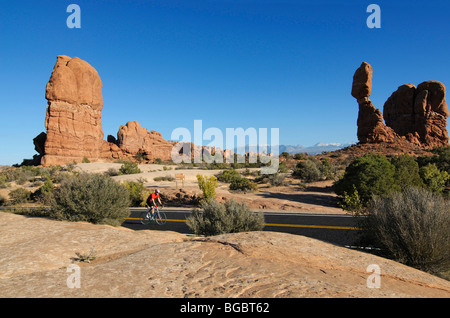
(336, 229)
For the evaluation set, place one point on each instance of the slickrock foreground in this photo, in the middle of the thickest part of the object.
(35, 254)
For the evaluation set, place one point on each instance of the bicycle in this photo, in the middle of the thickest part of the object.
(159, 217)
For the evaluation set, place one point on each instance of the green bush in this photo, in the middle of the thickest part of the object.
(406, 171)
(228, 176)
(244, 185)
(413, 226)
(45, 193)
(208, 187)
(93, 198)
(20, 196)
(308, 171)
(138, 193)
(2, 200)
(352, 202)
(129, 168)
(231, 217)
(433, 178)
(371, 174)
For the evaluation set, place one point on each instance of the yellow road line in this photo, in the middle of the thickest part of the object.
(283, 225)
(314, 226)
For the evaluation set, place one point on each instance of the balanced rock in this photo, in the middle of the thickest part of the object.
(371, 128)
(73, 120)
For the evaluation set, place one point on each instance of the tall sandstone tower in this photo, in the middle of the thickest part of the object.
(74, 122)
(74, 119)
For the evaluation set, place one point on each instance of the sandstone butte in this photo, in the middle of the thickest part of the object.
(74, 122)
(415, 114)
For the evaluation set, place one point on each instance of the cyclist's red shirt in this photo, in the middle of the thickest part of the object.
(154, 196)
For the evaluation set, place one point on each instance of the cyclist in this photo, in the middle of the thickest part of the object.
(151, 201)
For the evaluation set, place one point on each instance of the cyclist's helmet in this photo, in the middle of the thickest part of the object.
(157, 191)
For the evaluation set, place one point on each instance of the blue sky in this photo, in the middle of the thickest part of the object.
(262, 64)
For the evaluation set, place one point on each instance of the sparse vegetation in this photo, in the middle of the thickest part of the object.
(313, 169)
(231, 217)
(138, 193)
(244, 185)
(112, 172)
(413, 226)
(129, 168)
(208, 187)
(228, 176)
(20, 196)
(93, 198)
(375, 174)
(86, 257)
(164, 178)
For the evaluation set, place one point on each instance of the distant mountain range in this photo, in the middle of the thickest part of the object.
(293, 149)
(315, 149)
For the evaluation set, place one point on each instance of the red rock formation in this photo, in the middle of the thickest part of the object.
(74, 124)
(133, 139)
(416, 114)
(371, 128)
(419, 113)
(73, 120)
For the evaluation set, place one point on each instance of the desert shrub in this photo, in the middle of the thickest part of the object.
(112, 172)
(244, 185)
(129, 168)
(282, 167)
(157, 161)
(20, 196)
(406, 171)
(300, 156)
(164, 178)
(138, 193)
(45, 193)
(228, 176)
(208, 187)
(3, 181)
(370, 174)
(308, 171)
(413, 226)
(433, 178)
(277, 179)
(93, 198)
(231, 217)
(141, 156)
(2, 200)
(352, 202)
(85, 160)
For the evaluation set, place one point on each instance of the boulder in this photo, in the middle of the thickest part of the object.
(133, 139)
(419, 113)
(371, 128)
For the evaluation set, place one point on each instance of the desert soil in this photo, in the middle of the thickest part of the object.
(317, 197)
